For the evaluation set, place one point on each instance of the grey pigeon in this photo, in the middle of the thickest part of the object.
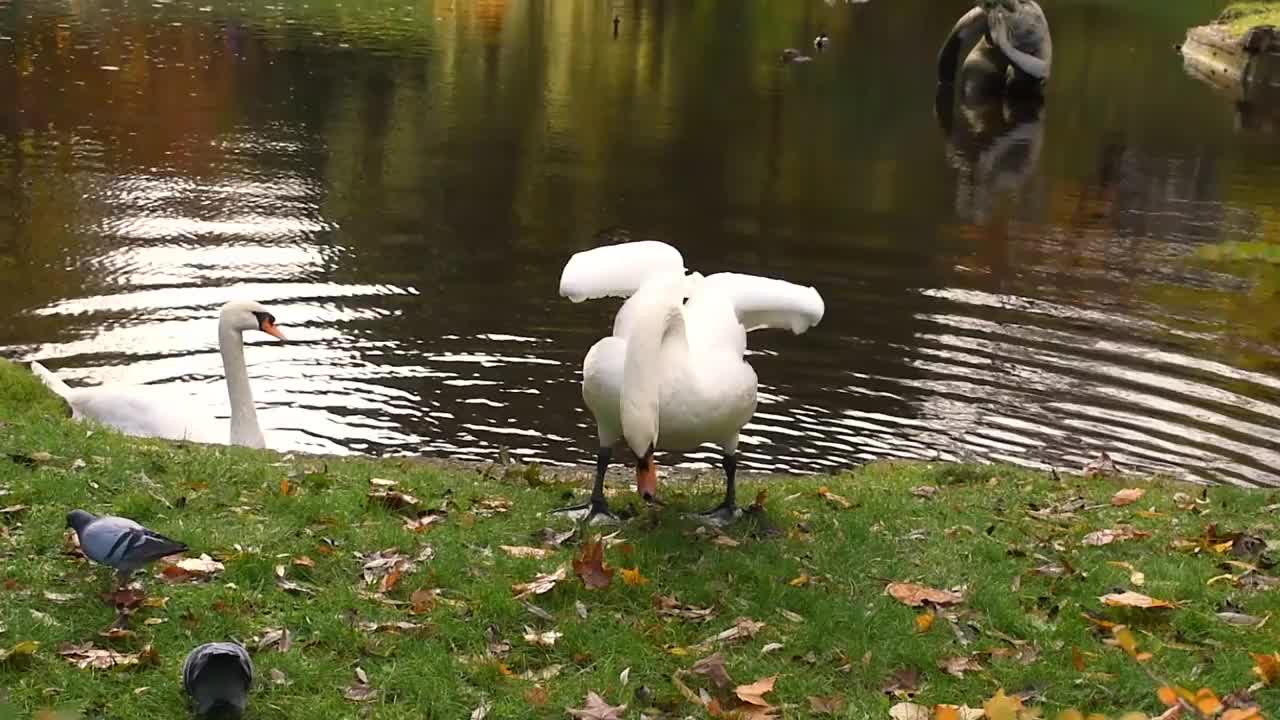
(217, 677)
(120, 542)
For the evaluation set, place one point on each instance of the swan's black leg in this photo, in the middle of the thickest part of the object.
(727, 511)
(597, 509)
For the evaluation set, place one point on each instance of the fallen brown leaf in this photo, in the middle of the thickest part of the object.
(537, 696)
(755, 692)
(903, 682)
(1110, 535)
(424, 520)
(191, 569)
(1100, 466)
(596, 708)
(1128, 496)
(917, 595)
(85, 656)
(542, 583)
(521, 551)
(712, 667)
(825, 493)
(423, 600)
(591, 567)
(1266, 667)
(958, 666)
(670, 606)
(832, 705)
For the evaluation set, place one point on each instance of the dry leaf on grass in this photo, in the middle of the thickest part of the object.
(917, 595)
(958, 712)
(712, 667)
(391, 627)
(424, 520)
(541, 639)
(670, 606)
(1133, 600)
(1100, 466)
(1002, 707)
(392, 499)
(490, 506)
(190, 569)
(521, 551)
(633, 577)
(281, 638)
(86, 656)
(924, 621)
(290, 586)
(591, 567)
(902, 682)
(596, 708)
(958, 666)
(835, 500)
(743, 628)
(910, 711)
(1098, 538)
(1266, 667)
(832, 705)
(543, 583)
(754, 693)
(423, 600)
(1128, 496)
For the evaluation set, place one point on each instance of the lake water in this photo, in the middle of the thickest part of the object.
(402, 182)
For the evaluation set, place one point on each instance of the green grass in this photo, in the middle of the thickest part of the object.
(1241, 16)
(846, 637)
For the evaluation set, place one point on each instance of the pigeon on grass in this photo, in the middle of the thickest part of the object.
(120, 542)
(217, 677)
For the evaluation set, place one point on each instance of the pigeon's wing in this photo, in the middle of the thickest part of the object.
(121, 542)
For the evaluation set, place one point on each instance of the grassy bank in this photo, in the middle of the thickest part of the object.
(810, 570)
(1240, 16)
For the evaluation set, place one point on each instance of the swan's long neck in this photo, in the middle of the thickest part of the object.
(244, 417)
(655, 325)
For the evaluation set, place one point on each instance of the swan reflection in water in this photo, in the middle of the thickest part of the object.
(994, 141)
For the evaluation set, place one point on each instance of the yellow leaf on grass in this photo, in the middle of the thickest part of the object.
(1071, 714)
(924, 621)
(1207, 702)
(1168, 696)
(633, 577)
(800, 581)
(1133, 600)
(1266, 667)
(1128, 496)
(1002, 707)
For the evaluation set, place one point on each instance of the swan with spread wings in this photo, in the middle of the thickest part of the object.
(672, 375)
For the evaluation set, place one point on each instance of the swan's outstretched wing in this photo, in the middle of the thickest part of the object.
(761, 302)
(617, 270)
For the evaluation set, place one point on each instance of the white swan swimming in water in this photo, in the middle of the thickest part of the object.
(672, 375)
(139, 410)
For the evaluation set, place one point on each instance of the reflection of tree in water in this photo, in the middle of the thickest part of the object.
(994, 142)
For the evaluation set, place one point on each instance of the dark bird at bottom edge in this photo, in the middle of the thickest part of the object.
(217, 677)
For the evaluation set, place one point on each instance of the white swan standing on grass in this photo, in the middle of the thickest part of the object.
(139, 410)
(672, 375)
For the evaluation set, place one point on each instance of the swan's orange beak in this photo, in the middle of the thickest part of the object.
(269, 327)
(647, 477)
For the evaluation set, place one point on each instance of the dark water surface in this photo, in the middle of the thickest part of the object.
(402, 183)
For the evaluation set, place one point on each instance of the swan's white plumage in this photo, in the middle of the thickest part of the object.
(761, 302)
(155, 412)
(672, 375)
(138, 411)
(617, 270)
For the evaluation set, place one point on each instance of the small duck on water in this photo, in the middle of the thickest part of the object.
(821, 41)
